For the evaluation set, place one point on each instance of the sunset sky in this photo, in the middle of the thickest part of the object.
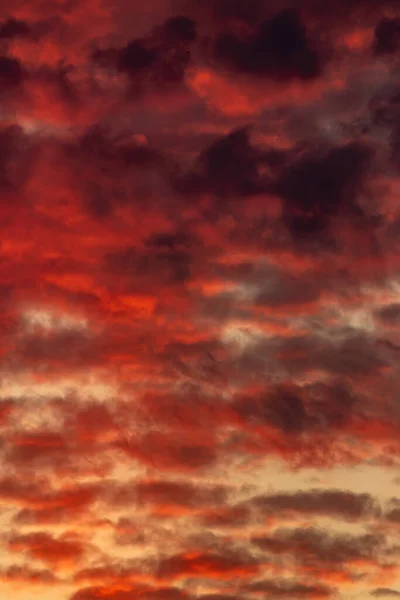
(200, 300)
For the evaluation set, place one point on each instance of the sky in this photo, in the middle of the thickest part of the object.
(199, 300)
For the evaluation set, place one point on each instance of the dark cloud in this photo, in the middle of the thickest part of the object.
(28, 576)
(250, 12)
(131, 591)
(16, 157)
(311, 546)
(323, 185)
(352, 355)
(114, 153)
(198, 191)
(227, 517)
(180, 29)
(385, 108)
(159, 60)
(62, 348)
(282, 408)
(230, 166)
(6, 409)
(11, 74)
(385, 592)
(220, 597)
(167, 493)
(294, 409)
(279, 49)
(158, 267)
(172, 451)
(332, 503)
(389, 314)
(393, 515)
(355, 355)
(331, 404)
(47, 548)
(288, 588)
(169, 241)
(38, 448)
(115, 170)
(13, 28)
(387, 36)
(288, 290)
(135, 57)
(212, 565)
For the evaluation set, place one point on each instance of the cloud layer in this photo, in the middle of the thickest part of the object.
(199, 307)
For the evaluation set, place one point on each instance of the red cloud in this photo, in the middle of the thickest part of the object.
(56, 552)
(216, 566)
(188, 298)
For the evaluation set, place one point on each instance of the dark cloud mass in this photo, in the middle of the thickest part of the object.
(229, 167)
(327, 502)
(387, 36)
(11, 73)
(159, 59)
(13, 28)
(321, 186)
(314, 547)
(279, 49)
(199, 299)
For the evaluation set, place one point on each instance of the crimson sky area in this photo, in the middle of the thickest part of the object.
(199, 300)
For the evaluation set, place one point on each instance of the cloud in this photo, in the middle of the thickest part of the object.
(171, 452)
(288, 588)
(199, 299)
(312, 546)
(27, 576)
(36, 503)
(387, 36)
(209, 565)
(13, 28)
(333, 503)
(15, 158)
(11, 74)
(229, 166)
(181, 495)
(393, 515)
(319, 187)
(389, 314)
(55, 552)
(93, 593)
(158, 61)
(279, 49)
(294, 409)
(174, 265)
